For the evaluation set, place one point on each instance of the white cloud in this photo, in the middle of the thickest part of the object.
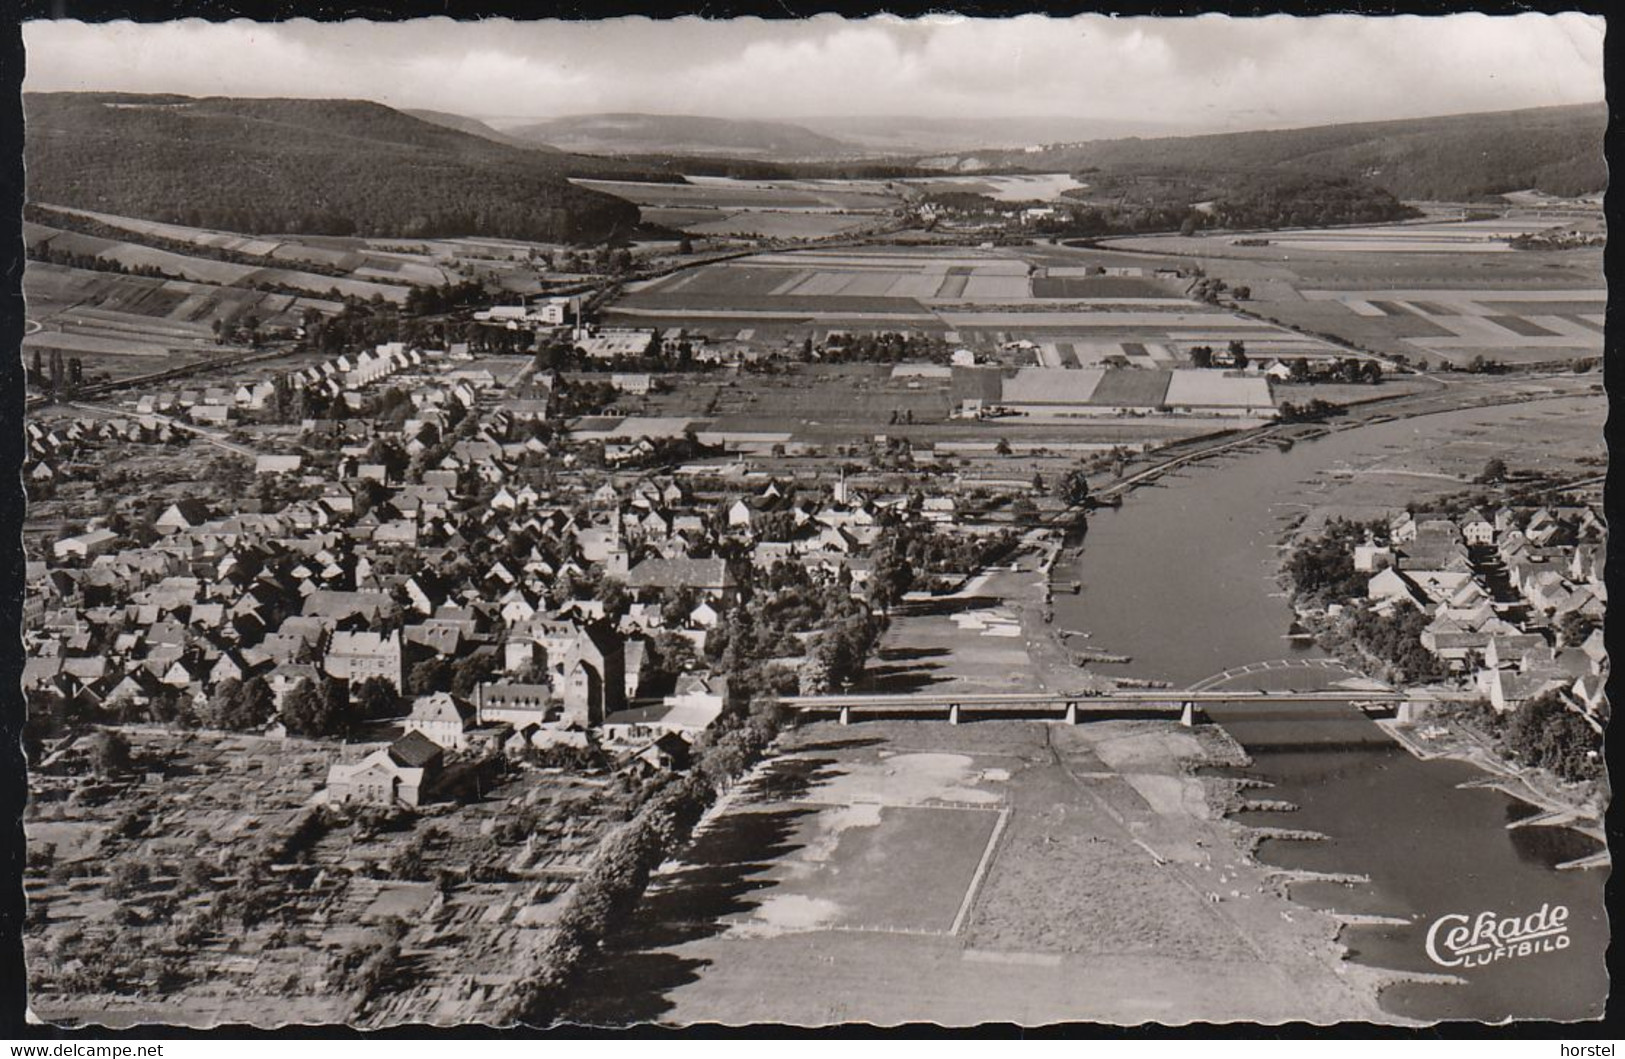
(1210, 70)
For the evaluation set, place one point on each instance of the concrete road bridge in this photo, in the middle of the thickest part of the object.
(1073, 708)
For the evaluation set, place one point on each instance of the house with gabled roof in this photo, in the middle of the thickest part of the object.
(441, 717)
(402, 772)
(359, 656)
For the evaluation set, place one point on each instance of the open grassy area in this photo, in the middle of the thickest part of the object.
(1110, 894)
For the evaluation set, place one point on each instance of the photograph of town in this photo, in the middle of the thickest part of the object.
(813, 522)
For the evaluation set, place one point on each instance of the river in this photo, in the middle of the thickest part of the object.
(1182, 578)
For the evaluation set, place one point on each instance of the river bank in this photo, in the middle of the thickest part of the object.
(1078, 873)
(1184, 578)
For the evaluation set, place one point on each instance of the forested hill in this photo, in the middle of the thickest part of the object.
(1557, 150)
(334, 167)
(682, 135)
(474, 127)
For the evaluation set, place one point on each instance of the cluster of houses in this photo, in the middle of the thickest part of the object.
(52, 450)
(326, 586)
(1501, 588)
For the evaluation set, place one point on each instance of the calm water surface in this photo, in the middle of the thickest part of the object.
(1182, 578)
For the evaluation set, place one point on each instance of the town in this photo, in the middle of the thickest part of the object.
(620, 569)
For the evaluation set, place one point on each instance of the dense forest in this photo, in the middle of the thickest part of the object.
(1189, 201)
(1290, 200)
(1556, 150)
(679, 134)
(305, 166)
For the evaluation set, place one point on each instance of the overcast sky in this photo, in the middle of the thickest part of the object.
(1207, 72)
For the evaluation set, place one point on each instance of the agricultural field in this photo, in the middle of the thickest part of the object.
(843, 404)
(134, 255)
(984, 299)
(760, 224)
(718, 207)
(119, 324)
(1443, 292)
(351, 265)
(1429, 236)
(1506, 325)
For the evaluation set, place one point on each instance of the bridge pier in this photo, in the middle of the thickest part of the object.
(1187, 714)
(953, 714)
(846, 715)
(1071, 713)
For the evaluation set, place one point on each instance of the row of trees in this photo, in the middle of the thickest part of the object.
(1396, 640)
(1321, 568)
(1542, 732)
(311, 708)
(607, 895)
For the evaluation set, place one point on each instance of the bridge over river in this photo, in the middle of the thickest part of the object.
(1073, 708)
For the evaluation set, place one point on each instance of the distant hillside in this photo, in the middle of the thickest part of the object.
(1557, 150)
(475, 127)
(912, 135)
(675, 134)
(316, 166)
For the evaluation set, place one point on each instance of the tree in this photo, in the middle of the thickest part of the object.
(1003, 447)
(195, 876)
(1575, 628)
(1495, 470)
(374, 698)
(1546, 733)
(110, 753)
(470, 671)
(428, 676)
(127, 876)
(891, 577)
(1073, 489)
(613, 595)
(240, 705)
(1201, 356)
(312, 710)
(1238, 353)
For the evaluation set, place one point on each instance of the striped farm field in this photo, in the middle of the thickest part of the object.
(1525, 326)
(776, 224)
(116, 345)
(1103, 287)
